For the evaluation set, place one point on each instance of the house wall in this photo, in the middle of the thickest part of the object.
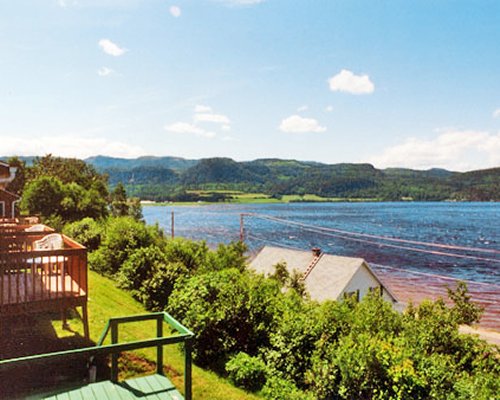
(7, 174)
(363, 280)
(4, 171)
(7, 205)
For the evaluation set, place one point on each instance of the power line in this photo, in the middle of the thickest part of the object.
(380, 237)
(437, 276)
(331, 232)
(406, 271)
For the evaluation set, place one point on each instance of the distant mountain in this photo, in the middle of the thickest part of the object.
(430, 173)
(102, 163)
(223, 170)
(27, 159)
(167, 178)
(175, 178)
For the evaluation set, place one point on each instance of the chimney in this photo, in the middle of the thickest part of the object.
(316, 251)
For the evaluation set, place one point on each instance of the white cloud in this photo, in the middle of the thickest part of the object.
(67, 146)
(105, 71)
(186, 128)
(302, 108)
(240, 2)
(496, 113)
(175, 11)
(202, 109)
(211, 117)
(111, 48)
(202, 115)
(451, 149)
(298, 124)
(329, 109)
(346, 81)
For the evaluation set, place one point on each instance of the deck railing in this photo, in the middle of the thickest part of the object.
(181, 335)
(40, 276)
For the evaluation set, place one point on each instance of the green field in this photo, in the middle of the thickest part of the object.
(256, 198)
(106, 301)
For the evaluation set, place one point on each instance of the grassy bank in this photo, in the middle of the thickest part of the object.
(260, 198)
(106, 301)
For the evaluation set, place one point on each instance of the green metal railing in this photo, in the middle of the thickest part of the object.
(182, 335)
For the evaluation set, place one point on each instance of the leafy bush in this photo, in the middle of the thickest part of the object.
(87, 231)
(246, 371)
(122, 236)
(156, 291)
(277, 388)
(43, 196)
(464, 310)
(139, 267)
(193, 255)
(303, 327)
(228, 311)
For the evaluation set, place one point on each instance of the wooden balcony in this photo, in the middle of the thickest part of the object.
(154, 387)
(35, 280)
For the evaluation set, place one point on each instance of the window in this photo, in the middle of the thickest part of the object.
(354, 294)
(378, 289)
(2, 208)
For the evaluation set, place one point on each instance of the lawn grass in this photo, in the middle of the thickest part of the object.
(106, 301)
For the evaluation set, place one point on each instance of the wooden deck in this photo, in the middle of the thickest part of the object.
(35, 279)
(152, 387)
(33, 287)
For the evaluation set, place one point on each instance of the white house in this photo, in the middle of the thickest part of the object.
(7, 200)
(326, 277)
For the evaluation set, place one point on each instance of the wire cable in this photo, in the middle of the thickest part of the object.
(380, 237)
(329, 232)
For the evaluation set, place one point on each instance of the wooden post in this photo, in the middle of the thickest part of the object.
(85, 317)
(172, 225)
(114, 356)
(159, 349)
(187, 370)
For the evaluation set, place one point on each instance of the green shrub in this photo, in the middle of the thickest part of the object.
(122, 236)
(277, 388)
(156, 291)
(228, 311)
(87, 232)
(139, 267)
(246, 371)
(195, 255)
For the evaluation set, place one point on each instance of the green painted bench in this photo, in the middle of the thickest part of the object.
(150, 387)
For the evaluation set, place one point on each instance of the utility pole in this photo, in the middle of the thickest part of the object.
(172, 225)
(242, 228)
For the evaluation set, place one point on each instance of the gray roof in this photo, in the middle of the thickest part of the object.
(326, 280)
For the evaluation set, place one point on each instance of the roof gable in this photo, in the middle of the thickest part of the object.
(331, 275)
(269, 256)
(327, 280)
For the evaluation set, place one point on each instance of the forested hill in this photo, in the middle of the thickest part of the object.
(173, 178)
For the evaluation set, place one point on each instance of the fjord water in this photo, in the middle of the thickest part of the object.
(474, 225)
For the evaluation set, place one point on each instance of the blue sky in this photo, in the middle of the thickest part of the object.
(394, 83)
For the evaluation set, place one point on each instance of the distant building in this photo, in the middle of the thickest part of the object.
(7, 200)
(326, 277)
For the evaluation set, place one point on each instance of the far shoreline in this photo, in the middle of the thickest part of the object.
(310, 201)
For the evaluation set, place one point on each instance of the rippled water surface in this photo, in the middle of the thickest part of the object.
(473, 225)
